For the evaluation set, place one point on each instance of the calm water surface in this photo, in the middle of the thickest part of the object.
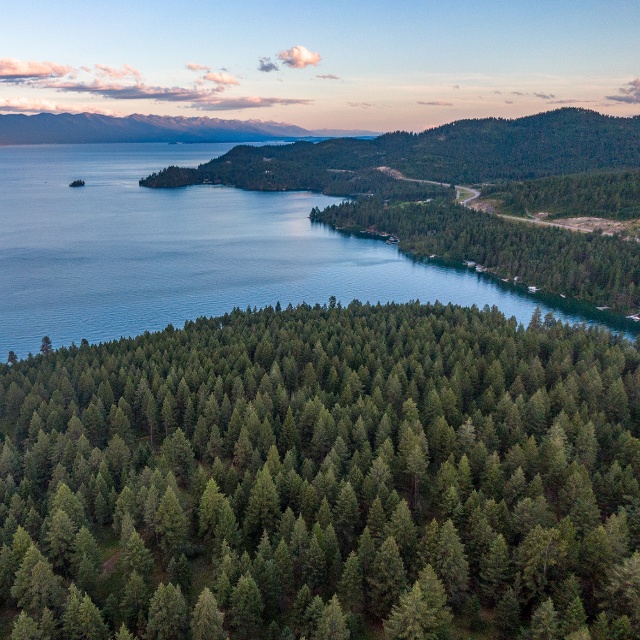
(113, 259)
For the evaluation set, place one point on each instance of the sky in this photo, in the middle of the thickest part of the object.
(349, 64)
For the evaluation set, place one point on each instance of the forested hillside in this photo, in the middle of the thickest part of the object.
(599, 269)
(327, 473)
(468, 151)
(611, 194)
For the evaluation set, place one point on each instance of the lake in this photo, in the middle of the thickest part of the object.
(113, 259)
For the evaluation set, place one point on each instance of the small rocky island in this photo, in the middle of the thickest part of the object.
(77, 183)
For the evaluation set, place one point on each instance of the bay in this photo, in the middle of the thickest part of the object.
(113, 259)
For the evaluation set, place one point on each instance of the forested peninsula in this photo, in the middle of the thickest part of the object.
(327, 473)
(465, 152)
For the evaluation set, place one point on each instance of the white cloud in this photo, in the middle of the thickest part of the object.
(299, 57)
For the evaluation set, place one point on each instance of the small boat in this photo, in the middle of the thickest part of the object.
(433, 255)
(505, 279)
(634, 316)
(602, 308)
(562, 295)
(480, 268)
(533, 289)
(469, 263)
(393, 240)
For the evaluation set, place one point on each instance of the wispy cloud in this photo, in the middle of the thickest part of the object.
(126, 71)
(299, 57)
(569, 101)
(517, 93)
(28, 105)
(629, 93)
(221, 78)
(248, 102)
(328, 76)
(435, 103)
(12, 70)
(361, 105)
(138, 91)
(194, 66)
(266, 65)
(544, 96)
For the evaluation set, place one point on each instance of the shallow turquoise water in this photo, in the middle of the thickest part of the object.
(112, 258)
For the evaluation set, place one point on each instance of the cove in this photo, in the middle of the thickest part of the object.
(112, 259)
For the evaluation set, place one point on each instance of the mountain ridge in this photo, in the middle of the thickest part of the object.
(66, 128)
(558, 142)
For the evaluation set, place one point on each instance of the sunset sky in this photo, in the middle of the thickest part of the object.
(378, 65)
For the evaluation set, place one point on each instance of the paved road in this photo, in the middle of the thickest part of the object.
(394, 173)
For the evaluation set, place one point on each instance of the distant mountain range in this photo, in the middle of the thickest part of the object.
(66, 128)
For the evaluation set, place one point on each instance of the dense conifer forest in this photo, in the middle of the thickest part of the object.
(611, 194)
(398, 471)
(599, 269)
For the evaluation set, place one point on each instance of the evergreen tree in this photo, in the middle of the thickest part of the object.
(59, 538)
(544, 622)
(172, 524)
(494, 569)
(245, 609)
(350, 588)
(388, 578)
(36, 587)
(263, 510)
(346, 517)
(135, 601)
(622, 592)
(167, 614)
(207, 619)
(507, 614)
(217, 520)
(136, 556)
(422, 613)
(573, 619)
(451, 564)
(333, 623)
(82, 620)
(25, 628)
(123, 633)
(85, 560)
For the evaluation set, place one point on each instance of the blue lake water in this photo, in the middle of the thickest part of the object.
(113, 259)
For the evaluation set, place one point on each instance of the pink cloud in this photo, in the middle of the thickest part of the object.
(12, 70)
(221, 78)
(299, 57)
(27, 105)
(126, 71)
(248, 102)
(329, 76)
(194, 66)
